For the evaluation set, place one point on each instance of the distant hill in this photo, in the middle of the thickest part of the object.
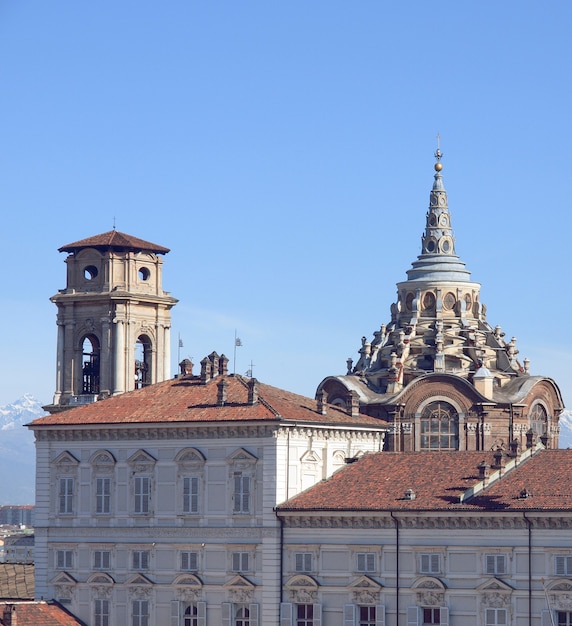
(17, 451)
(565, 440)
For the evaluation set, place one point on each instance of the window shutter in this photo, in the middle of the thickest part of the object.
(175, 613)
(412, 616)
(361, 562)
(202, 613)
(236, 561)
(560, 566)
(424, 564)
(145, 560)
(253, 611)
(435, 564)
(286, 614)
(226, 608)
(370, 562)
(444, 616)
(545, 618)
(380, 615)
(490, 564)
(349, 613)
(317, 608)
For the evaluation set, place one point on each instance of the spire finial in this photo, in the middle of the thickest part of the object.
(438, 154)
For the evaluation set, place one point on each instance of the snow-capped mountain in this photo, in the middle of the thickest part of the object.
(17, 451)
(565, 439)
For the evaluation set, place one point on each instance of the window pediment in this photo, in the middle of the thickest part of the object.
(190, 458)
(142, 461)
(100, 579)
(302, 582)
(139, 580)
(63, 578)
(494, 585)
(66, 461)
(365, 583)
(189, 581)
(102, 460)
(241, 458)
(239, 583)
(310, 457)
(428, 582)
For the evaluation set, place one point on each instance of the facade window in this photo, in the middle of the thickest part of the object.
(241, 493)
(90, 363)
(367, 616)
(538, 420)
(429, 563)
(431, 615)
(190, 615)
(365, 562)
(564, 618)
(191, 494)
(241, 616)
(495, 617)
(304, 615)
(303, 561)
(140, 559)
(142, 495)
(495, 564)
(64, 559)
(240, 561)
(66, 487)
(189, 561)
(101, 612)
(103, 496)
(563, 565)
(439, 427)
(140, 613)
(102, 560)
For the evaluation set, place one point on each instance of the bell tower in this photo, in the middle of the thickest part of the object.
(113, 319)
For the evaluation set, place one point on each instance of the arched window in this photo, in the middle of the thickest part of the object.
(538, 419)
(90, 365)
(142, 362)
(439, 427)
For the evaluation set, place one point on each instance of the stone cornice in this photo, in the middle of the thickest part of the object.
(419, 521)
(152, 534)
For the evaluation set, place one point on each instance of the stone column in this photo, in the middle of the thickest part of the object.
(119, 361)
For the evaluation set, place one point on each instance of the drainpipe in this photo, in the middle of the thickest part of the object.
(396, 522)
(529, 524)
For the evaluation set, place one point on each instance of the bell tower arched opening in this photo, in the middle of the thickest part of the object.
(90, 364)
(143, 361)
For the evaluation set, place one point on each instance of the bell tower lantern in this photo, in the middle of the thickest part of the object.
(113, 319)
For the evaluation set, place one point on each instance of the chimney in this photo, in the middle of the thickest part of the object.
(352, 400)
(9, 615)
(214, 359)
(221, 393)
(484, 472)
(223, 365)
(321, 398)
(253, 391)
(186, 367)
(206, 370)
(513, 446)
(497, 455)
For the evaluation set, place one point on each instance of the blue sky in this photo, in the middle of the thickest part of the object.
(284, 152)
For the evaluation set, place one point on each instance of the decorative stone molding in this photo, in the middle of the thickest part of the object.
(302, 589)
(365, 590)
(188, 588)
(239, 589)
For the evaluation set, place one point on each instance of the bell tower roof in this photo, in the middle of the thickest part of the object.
(114, 240)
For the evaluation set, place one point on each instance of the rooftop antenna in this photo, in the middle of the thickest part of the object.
(249, 372)
(438, 153)
(114, 222)
(237, 344)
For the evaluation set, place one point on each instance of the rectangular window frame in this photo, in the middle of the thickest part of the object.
(191, 495)
(66, 487)
(240, 561)
(102, 560)
(142, 495)
(303, 562)
(101, 612)
(563, 565)
(492, 617)
(496, 564)
(366, 562)
(242, 494)
(430, 563)
(140, 560)
(102, 495)
(189, 561)
(140, 612)
(64, 559)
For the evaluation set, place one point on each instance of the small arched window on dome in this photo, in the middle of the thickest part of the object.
(90, 365)
(538, 417)
(439, 427)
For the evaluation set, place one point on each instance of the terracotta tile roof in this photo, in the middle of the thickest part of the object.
(114, 239)
(378, 482)
(188, 400)
(38, 613)
(16, 581)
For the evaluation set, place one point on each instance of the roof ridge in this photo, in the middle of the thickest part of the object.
(260, 398)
